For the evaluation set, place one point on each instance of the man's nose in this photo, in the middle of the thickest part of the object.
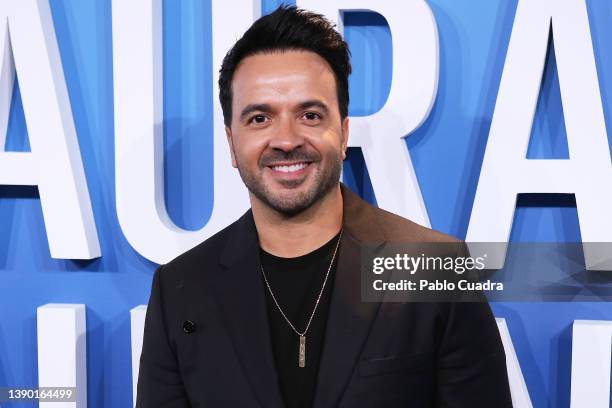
(286, 136)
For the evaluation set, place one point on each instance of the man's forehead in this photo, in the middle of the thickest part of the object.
(288, 74)
(264, 68)
(286, 59)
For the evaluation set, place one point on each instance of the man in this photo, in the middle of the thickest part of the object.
(267, 312)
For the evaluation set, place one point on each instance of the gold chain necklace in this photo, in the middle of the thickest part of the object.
(302, 346)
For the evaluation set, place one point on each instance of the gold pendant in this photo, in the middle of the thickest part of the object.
(302, 352)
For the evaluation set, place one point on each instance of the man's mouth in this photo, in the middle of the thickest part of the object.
(289, 167)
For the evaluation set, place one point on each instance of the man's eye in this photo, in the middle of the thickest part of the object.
(312, 116)
(258, 119)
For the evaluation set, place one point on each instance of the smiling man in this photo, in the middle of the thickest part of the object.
(268, 312)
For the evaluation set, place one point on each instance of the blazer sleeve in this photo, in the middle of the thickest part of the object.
(159, 380)
(471, 360)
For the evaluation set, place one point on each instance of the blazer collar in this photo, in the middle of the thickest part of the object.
(360, 220)
(241, 297)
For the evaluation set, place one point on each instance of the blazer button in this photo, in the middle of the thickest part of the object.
(189, 326)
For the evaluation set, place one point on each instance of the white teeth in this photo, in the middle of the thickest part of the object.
(289, 169)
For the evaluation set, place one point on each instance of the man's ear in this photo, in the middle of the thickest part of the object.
(345, 135)
(230, 142)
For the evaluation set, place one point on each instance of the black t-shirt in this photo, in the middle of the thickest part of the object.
(296, 283)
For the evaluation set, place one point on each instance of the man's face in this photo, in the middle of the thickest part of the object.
(286, 136)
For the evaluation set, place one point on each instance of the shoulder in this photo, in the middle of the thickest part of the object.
(405, 230)
(371, 223)
(203, 256)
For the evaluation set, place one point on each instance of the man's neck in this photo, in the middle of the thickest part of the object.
(289, 237)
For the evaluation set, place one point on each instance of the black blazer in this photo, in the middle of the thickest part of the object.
(207, 341)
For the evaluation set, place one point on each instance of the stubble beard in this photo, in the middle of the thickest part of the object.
(293, 203)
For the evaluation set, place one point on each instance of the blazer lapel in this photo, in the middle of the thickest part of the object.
(349, 319)
(239, 292)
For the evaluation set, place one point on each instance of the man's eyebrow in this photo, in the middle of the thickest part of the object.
(314, 103)
(254, 107)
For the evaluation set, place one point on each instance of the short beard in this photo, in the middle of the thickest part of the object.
(289, 207)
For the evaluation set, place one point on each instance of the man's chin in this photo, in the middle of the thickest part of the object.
(289, 201)
(288, 185)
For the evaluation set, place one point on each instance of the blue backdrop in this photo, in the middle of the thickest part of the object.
(447, 153)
